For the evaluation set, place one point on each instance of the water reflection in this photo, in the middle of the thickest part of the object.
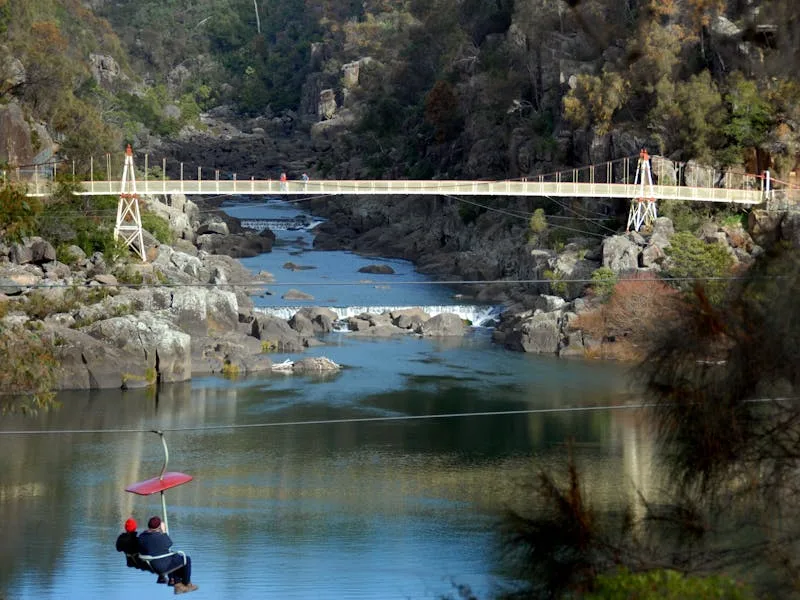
(390, 509)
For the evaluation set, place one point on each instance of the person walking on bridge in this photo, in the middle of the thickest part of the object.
(284, 184)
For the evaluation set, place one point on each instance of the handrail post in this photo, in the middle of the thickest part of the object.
(164, 174)
(182, 190)
(91, 171)
(145, 172)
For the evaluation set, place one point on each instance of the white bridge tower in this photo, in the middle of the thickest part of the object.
(129, 220)
(643, 207)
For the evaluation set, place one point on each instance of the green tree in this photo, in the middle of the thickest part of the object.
(751, 115)
(689, 117)
(18, 213)
(698, 263)
(29, 370)
(595, 100)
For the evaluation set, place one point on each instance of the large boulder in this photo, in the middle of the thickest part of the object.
(200, 310)
(294, 294)
(620, 254)
(409, 318)
(313, 364)
(42, 251)
(154, 342)
(322, 319)
(377, 269)
(276, 334)
(89, 363)
(539, 334)
(16, 148)
(443, 324)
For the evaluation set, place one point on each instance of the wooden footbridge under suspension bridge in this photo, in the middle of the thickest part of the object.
(642, 179)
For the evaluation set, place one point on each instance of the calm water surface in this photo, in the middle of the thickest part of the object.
(357, 509)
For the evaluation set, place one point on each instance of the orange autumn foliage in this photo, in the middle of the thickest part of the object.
(628, 320)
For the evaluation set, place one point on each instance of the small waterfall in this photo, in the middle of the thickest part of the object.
(478, 315)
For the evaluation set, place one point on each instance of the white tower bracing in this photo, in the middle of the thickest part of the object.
(643, 208)
(129, 220)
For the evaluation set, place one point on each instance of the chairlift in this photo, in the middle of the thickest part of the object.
(165, 481)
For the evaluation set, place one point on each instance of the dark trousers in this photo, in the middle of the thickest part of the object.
(183, 574)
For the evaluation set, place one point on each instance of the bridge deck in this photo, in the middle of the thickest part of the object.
(254, 187)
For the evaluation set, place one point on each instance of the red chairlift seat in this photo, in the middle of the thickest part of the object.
(165, 481)
(159, 484)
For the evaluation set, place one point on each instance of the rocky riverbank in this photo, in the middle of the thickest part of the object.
(183, 313)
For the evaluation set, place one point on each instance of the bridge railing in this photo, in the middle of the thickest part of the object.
(616, 178)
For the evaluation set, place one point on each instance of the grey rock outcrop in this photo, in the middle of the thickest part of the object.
(442, 325)
(620, 254)
(152, 340)
(538, 333)
(276, 334)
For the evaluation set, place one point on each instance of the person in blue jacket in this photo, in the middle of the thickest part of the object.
(156, 544)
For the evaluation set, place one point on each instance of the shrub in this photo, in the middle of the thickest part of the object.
(29, 371)
(230, 370)
(18, 213)
(666, 584)
(632, 313)
(696, 261)
(603, 282)
(557, 286)
(158, 226)
(538, 221)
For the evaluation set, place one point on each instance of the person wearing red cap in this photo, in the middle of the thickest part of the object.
(154, 546)
(128, 543)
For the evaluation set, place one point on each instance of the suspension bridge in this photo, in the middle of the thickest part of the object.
(642, 179)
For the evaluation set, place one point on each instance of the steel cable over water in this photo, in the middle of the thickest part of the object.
(498, 413)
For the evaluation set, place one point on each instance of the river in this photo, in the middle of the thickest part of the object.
(317, 487)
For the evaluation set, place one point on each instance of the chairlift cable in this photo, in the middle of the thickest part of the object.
(396, 418)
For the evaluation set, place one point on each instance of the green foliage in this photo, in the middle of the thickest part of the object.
(39, 304)
(115, 251)
(230, 370)
(751, 114)
(666, 584)
(689, 116)
(692, 258)
(557, 286)
(29, 370)
(603, 282)
(538, 222)
(158, 226)
(268, 346)
(684, 216)
(18, 213)
(735, 219)
(149, 108)
(127, 275)
(595, 100)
